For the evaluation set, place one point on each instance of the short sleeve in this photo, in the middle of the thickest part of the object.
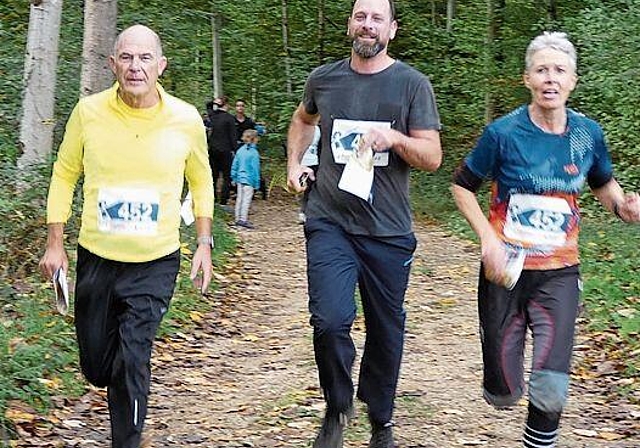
(482, 160)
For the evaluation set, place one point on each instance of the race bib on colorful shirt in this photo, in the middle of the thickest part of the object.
(537, 220)
(346, 136)
(129, 211)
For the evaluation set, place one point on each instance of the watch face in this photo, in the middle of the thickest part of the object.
(208, 240)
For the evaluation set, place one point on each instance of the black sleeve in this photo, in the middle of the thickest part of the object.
(596, 181)
(465, 178)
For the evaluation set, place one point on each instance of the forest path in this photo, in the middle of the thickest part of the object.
(246, 377)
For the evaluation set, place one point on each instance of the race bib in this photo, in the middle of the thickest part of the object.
(346, 136)
(537, 220)
(130, 211)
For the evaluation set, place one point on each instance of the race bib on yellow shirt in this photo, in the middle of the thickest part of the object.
(130, 211)
(537, 220)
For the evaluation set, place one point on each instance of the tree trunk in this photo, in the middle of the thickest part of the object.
(217, 57)
(321, 31)
(37, 121)
(553, 10)
(451, 12)
(100, 17)
(495, 12)
(434, 13)
(285, 45)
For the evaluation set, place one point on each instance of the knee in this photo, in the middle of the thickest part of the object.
(331, 327)
(95, 376)
(502, 401)
(548, 390)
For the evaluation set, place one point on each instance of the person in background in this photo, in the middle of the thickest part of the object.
(385, 111)
(245, 173)
(135, 144)
(242, 121)
(538, 158)
(222, 146)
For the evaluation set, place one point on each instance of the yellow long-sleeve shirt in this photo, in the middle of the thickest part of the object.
(134, 163)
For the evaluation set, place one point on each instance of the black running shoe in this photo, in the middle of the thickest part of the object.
(381, 436)
(331, 432)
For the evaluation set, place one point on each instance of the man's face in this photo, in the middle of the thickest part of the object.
(240, 107)
(370, 27)
(137, 65)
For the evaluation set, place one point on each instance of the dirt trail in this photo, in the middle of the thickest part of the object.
(246, 377)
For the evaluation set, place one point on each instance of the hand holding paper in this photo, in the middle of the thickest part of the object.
(61, 289)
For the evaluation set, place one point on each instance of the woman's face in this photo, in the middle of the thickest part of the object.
(550, 79)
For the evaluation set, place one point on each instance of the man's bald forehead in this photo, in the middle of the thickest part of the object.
(140, 30)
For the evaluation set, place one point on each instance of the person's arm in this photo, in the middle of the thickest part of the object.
(625, 206)
(55, 256)
(198, 175)
(201, 261)
(66, 172)
(420, 149)
(493, 250)
(299, 137)
(232, 133)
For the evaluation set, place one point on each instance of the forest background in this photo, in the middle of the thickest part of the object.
(472, 51)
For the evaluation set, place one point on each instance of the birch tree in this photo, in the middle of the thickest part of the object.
(285, 45)
(39, 80)
(216, 56)
(100, 18)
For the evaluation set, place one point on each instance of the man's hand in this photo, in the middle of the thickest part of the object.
(55, 256)
(53, 259)
(377, 139)
(297, 174)
(201, 268)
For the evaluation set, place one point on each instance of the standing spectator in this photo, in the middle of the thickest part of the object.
(387, 110)
(538, 158)
(245, 173)
(135, 144)
(222, 146)
(243, 122)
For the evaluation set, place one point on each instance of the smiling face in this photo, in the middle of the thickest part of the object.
(550, 78)
(137, 63)
(371, 27)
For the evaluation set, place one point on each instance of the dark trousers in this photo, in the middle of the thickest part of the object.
(220, 162)
(336, 261)
(546, 302)
(118, 307)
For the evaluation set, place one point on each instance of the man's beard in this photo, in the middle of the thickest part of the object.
(365, 50)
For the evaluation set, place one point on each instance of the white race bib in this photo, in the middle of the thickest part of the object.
(130, 211)
(346, 135)
(537, 220)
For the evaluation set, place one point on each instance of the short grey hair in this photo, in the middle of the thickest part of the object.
(554, 40)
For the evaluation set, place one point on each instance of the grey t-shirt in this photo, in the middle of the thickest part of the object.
(400, 97)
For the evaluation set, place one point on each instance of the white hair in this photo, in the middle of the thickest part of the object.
(554, 40)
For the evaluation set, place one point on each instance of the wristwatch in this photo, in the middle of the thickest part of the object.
(205, 239)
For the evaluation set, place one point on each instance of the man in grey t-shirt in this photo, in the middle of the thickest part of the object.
(368, 104)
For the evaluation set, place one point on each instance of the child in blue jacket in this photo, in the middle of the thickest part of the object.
(245, 173)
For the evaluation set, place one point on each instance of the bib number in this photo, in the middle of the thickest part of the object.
(346, 136)
(128, 211)
(537, 220)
